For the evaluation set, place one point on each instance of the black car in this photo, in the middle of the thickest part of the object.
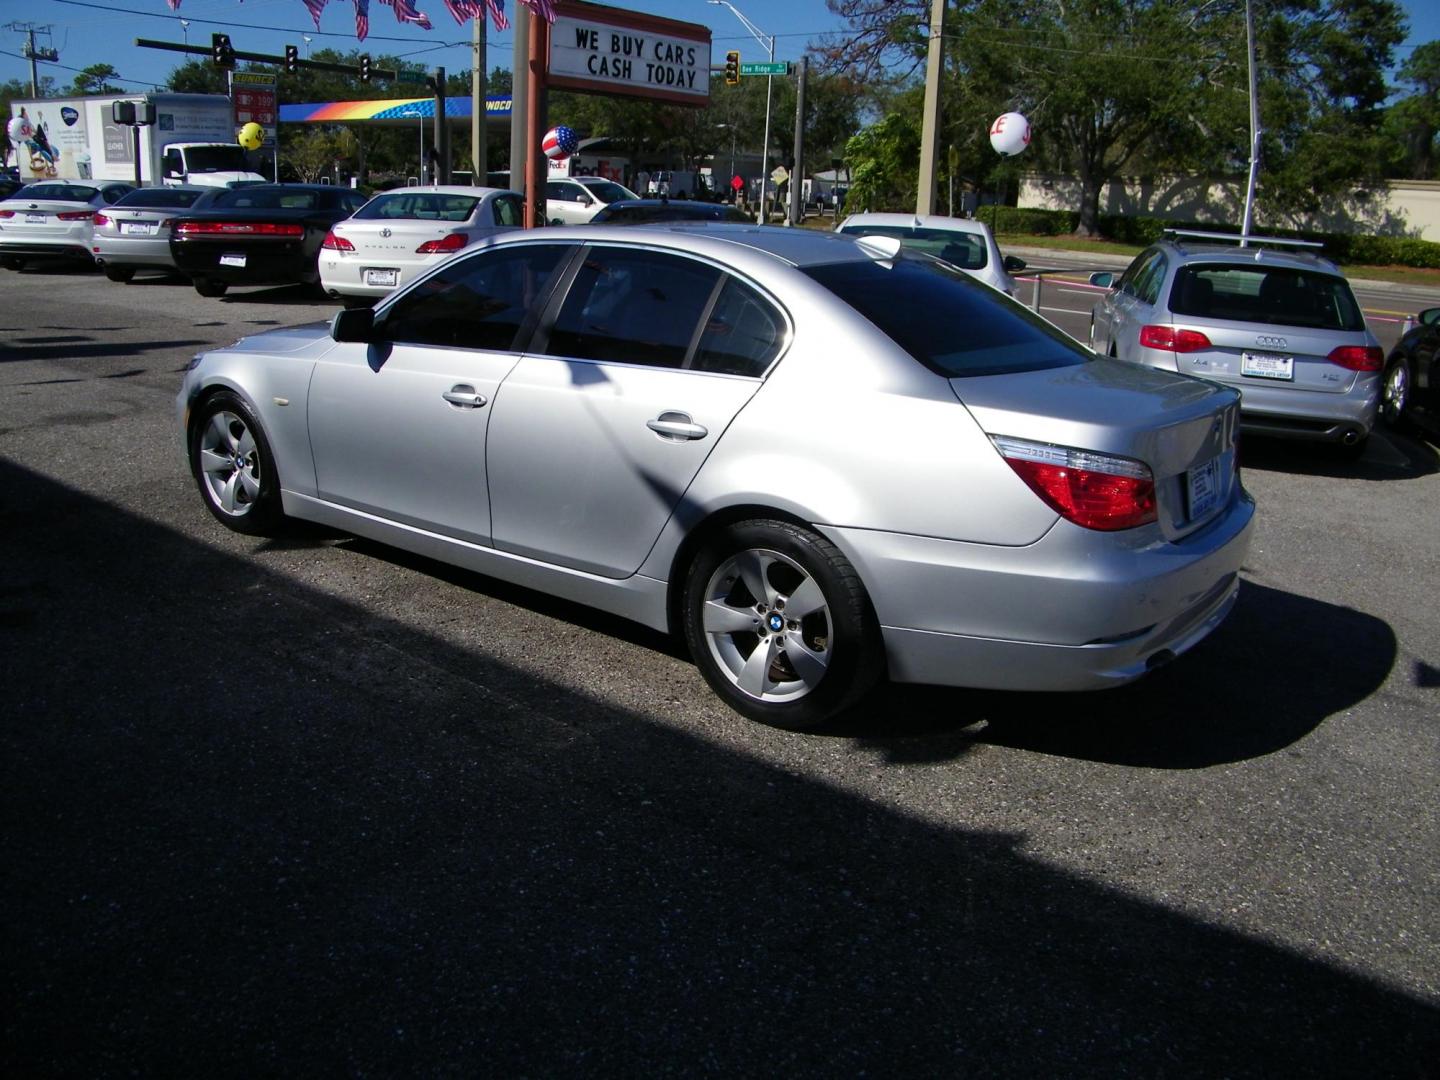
(1411, 385)
(262, 234)
(649, 211)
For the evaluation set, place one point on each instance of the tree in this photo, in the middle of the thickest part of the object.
(1120, 87)
(1413, 122)
(95, 79)
(882, 163)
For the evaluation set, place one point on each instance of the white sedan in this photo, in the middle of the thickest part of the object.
(53, 218)
(400, 234)
(962, 242)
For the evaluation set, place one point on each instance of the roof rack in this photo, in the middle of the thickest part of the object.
(1243, 241)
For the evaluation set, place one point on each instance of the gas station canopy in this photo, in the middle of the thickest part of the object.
(391, 112)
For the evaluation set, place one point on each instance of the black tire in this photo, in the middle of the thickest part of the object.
(234, 467)
(12, 262)
(820, 664)
(1395, 390)
(122, 274)
(210, 287)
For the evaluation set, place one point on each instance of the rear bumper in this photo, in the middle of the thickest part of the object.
(60, 249)
(142, 252)
(274, 266)
(1299, 414)
(1077, 610)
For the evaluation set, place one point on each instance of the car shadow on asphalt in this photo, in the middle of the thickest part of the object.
(1389, 455)
(254, 828)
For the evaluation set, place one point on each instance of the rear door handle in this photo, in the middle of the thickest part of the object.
(464, 396)
(677, 427)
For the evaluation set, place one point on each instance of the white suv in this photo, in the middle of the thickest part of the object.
(574, 200)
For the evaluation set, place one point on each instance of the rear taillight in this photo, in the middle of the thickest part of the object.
(336, 243)
(1097, 491)
(7, 213)
(75, 215)
(454, 242)
(238, 228)
(1358, 357)
(1172, 340)
(101, 219)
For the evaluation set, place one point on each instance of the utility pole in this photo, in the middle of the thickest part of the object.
(797, 196)
(930, 128)
(33, 54)
(479, 119)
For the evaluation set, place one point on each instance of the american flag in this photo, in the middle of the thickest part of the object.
(315, 7)
(544, 8)
(475, 9)
(362, 19)
(406, 12)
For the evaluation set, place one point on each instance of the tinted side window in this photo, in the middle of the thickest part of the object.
(475, 303)
(509, 210)
(743, 334)
(1126, 284)
(1147, 285)
(633, 307)
(554, 189)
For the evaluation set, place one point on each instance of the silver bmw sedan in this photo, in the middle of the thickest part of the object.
(819, 461)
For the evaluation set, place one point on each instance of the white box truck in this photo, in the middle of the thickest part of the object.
(191, 142)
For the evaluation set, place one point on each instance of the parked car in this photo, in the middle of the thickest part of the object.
(53, 218)
(962, 242)
(650, 211)
(401, 233)
(574, 200)
(134, 233)
(263, 234)
(9, 185)
(1281, 326)
(662, 423)
(1410, 387)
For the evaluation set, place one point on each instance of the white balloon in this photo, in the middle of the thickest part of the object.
(1010, 134)
(19, 128)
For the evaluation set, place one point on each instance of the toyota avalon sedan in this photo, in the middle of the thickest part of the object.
(820, 462)
(399, 234)
(260, 234)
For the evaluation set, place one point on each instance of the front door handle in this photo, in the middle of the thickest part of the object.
(676, 427)
(464, 396)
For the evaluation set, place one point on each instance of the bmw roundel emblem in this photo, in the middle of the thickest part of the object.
(776, 623)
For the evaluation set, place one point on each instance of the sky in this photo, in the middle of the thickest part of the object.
(87, 32)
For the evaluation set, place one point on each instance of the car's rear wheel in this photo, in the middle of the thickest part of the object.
(234, 467)
(12, 262)
(780, 625)
(210, 287)
(1395, 392)
(121, 274)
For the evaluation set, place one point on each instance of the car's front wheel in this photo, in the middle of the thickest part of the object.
(1395, 392)
(233, 465)
(210, 287)
(122, 274)
(780, 625)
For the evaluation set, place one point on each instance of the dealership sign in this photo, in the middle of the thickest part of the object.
(605, 50)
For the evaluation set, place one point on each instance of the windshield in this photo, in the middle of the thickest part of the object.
(967, 328)
(215, 159)
(607, 191)
(419, 205)
(1265, 294)
(965, 250)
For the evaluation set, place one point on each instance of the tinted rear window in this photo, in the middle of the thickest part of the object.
(63, 192)
(950, 322)
(266, 199)
(1265, 294)
(159, 196)
(966, 250)
(419, 206)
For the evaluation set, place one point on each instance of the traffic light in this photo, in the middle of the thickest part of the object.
(732, 67)
(221, 52)
(292, 59)
(365, 68)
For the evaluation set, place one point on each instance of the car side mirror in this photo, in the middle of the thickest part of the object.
(586, 200)
(353, 324)
(1430, 316)
(1105, 279)
(1013, 263)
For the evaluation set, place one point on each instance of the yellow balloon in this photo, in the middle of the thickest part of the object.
(252, 136)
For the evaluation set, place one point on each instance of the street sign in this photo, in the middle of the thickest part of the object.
(404, 76)
(779, 174)
(779, 67)
(736, 183)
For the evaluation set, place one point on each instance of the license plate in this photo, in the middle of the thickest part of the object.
(1267, 366)
(232, 260)
(137, 228)
(35, 219)
(380, 277)
(1202, 488)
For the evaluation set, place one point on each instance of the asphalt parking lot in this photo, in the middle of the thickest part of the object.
(317, 806)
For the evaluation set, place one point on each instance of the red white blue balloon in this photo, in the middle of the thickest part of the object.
(1010, 134)
(559, 143)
